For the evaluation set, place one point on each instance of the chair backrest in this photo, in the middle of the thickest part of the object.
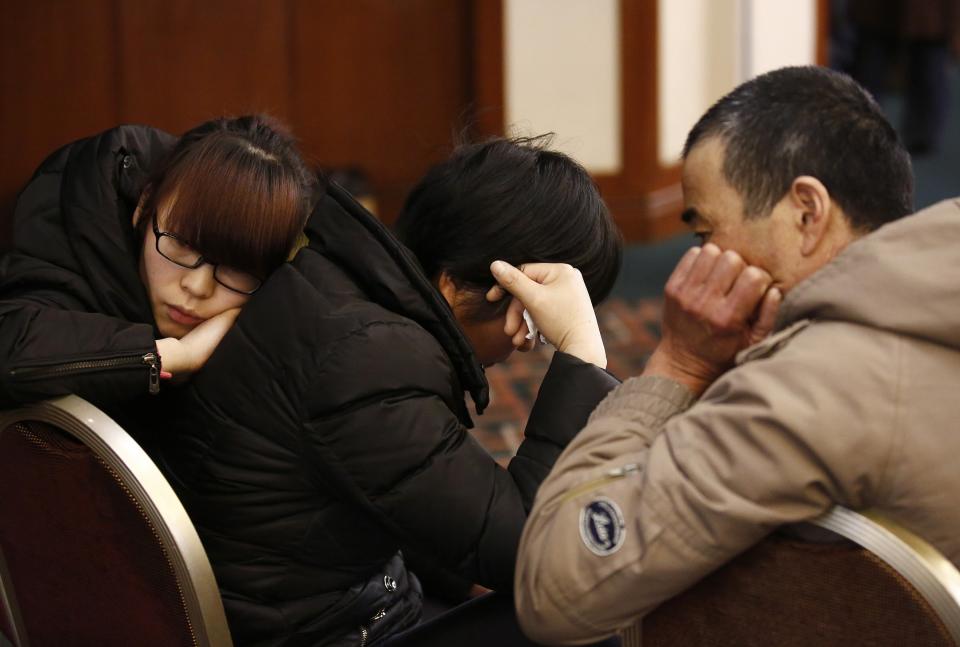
(95, 547)
(871, 583)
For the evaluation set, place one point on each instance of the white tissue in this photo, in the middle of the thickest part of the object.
(532, 330)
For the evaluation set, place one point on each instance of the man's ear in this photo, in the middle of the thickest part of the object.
(814, 210)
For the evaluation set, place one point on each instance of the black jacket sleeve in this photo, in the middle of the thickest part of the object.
(70, 294)
(570, 392)
(50, 346)
(399, 450)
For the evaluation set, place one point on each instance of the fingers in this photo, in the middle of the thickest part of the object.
(748, 289)
(714, 270)
(767, 316)
(705, 276)
(513, 280)
(520, 341)
(525, 283)
(230, 314)
(225, 318)
(513, 322)
(726, 271)
(496, 293)
(204, 338)
(679, 275)
(558, 300)
(709, 267)
(716, 305)
(703, 265)
(515, 327)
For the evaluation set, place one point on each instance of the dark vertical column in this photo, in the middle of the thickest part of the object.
(487, 63)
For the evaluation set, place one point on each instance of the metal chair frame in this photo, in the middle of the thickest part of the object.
(933, 576)
(143, 480)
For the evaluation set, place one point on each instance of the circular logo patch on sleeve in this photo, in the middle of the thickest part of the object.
(601, 526)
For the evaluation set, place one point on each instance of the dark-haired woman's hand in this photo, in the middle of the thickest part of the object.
(556, 297)
(187, 355)
(523, 339)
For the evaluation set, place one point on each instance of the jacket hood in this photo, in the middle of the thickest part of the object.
(76, 215)
(901, 278)
(349, 235)
(102, 182)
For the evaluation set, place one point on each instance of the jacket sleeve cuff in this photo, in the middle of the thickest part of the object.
(652, 399)
(571, 389)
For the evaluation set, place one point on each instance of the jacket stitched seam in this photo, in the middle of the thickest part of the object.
(641, 390)
(897, 427)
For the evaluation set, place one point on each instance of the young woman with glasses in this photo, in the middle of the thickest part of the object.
(134, 252)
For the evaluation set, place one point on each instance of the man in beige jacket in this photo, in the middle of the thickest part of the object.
(798, 187)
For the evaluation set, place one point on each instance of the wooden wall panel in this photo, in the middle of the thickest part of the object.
(488, 55)
(57, 68)
(377, 84)
(183, 61)
(381, 85)
(823, 32)
(645, 196)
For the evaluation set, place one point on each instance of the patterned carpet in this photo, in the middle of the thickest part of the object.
(630, 331)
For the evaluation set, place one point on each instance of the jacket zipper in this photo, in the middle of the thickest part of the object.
(608, 477)
(83, 366)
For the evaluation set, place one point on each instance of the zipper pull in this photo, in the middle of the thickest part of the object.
(629, 468)
(151, 360)
(607, 477)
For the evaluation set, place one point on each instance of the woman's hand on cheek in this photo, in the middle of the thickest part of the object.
(557, 299)
(187, 355)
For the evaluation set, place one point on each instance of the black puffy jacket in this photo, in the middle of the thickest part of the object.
(328, 431)
(74, 315)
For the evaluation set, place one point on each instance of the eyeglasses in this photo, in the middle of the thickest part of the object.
(178, 252)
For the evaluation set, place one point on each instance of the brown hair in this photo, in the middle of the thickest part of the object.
(238, 192)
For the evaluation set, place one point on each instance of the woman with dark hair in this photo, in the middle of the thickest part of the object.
(133, 253)
(342, 437)
(512, 200)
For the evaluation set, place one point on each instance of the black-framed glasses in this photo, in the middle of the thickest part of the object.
(177, 251)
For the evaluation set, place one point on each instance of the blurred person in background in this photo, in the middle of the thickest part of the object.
(922, 34)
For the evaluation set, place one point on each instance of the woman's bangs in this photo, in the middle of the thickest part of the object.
(234, 211)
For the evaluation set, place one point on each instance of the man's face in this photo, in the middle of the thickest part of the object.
(713, 210)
